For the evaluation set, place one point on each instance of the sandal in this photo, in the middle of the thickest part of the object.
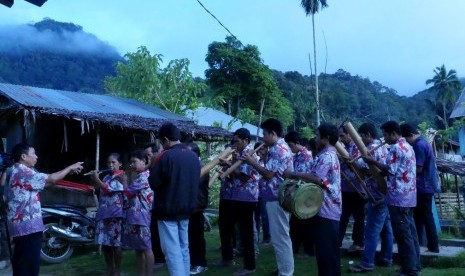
(359, 269)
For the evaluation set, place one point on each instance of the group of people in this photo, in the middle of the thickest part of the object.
(389, 193)
(157, 208)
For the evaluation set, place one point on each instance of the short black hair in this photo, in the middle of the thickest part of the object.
(117, 156)
(243, 133)
(368, 128)
(153, 146)
(390, 127)
(257, 144)
(193, 147)
(187, 138)
(271, 125)
(343, 129)
(330, 132)
(139, 154)
(170, 131)
(408, 130)
(292, 137)
(312, 144)
(20, 149)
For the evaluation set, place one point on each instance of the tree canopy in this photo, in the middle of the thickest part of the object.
(141, 77)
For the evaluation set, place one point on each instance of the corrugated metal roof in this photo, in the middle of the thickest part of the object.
(206, 116)
(459, 109)
(82, 102)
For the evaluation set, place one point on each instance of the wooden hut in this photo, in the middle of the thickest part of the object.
(65, 127)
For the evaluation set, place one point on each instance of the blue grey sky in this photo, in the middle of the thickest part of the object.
(396, 42)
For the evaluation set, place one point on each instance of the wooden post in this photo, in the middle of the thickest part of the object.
(97, 149)
(209, 148)
(457, 191)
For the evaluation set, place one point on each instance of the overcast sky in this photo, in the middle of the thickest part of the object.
(396, 42)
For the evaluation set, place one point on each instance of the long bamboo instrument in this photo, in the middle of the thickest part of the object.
(375, 172)
(223, 155)
(239, 162)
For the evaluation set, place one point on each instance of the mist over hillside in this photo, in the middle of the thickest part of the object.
(55, 55)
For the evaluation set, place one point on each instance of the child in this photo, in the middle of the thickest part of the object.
(136, 234)
(110, 213)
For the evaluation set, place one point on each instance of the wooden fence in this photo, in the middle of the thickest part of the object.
(444, 203)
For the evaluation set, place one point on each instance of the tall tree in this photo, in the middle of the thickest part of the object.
(238, 76)
(171, 88)
(446, 84)
(311, 7)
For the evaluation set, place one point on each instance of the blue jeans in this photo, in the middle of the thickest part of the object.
(175, 245)
(406, 238)
(378, 223)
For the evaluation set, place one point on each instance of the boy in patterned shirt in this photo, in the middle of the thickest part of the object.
(279, 160)
(326, 173)
(401, 196)
(299, 228)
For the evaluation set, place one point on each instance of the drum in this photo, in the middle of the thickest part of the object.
(301, 199)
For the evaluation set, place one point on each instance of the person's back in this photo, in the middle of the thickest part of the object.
(174, 179)
(178, 174)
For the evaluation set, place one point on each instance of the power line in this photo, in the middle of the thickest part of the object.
(219, 22)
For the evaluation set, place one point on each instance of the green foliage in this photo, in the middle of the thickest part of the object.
(307, 132)
(172, 88)
(237, 75)
(313, 6)
(446, 84)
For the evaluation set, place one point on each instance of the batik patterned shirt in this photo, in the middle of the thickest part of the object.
(326, 167)
(303, 161)
(111, 197)
(401, 185)
(345, 185)
(279, 159)
(24, 210)
(380, 155)
(140, 200)
(248, 190)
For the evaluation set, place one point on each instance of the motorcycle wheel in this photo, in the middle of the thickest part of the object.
(54, 250)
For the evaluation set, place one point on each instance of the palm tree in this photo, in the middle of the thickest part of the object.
(446, 84)
(312, 7)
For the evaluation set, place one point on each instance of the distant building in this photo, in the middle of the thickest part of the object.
(206, 116)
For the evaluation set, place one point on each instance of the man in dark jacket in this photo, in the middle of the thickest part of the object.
(175, 180)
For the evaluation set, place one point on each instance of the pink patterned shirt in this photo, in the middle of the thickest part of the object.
(24, 209)
(303, 161)
(279, 159)
(140, 200)
(401, 185)
(326, 167)
(111, 197)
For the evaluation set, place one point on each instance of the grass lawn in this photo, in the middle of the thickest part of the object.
(86, 261)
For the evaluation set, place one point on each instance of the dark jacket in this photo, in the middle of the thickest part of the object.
(175, 180)
(202, 201)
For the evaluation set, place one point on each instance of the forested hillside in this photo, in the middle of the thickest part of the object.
(62, 56)
(55, 55)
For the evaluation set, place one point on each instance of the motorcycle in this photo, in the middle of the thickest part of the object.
(66, 227)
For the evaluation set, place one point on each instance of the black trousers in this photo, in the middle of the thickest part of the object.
(156, 246)
(230, 213)
(197, 246)
(26, 255)
(299, 230)
(327, 252)
(423, 216)
(353, 205)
